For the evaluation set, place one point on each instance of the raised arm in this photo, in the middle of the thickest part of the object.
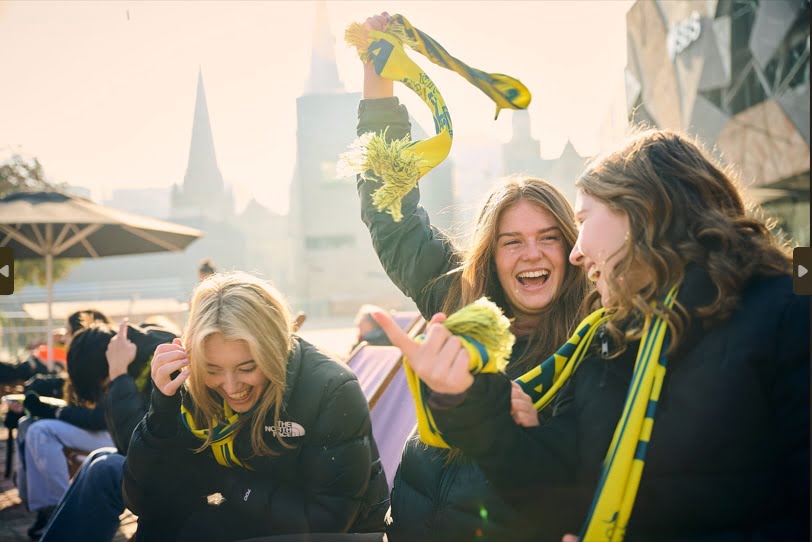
(413, 252)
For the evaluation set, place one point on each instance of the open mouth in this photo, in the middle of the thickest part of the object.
(532, 279)
(240, 395)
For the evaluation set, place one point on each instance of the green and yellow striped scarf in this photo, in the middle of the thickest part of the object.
(623, 465)
(399, 164)
(223, 433)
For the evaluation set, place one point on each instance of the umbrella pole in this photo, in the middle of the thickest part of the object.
(49, 280)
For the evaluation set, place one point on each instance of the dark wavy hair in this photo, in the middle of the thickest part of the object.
(87, 357)
(683, 208)
(82, 319)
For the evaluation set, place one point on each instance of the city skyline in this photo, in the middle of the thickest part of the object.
(104, 93)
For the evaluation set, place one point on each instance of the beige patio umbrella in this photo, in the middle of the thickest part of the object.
(55, 225)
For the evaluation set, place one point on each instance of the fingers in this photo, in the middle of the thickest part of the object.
(396, 336)
(521, 407)
(122, 327)
(173, 385)
(569, 538)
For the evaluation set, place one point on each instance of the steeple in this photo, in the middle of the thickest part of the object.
(323, 71)
(203, 191)
(521, 125)
(202, 174)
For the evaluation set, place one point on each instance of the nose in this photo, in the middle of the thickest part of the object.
(576, 257)
(230, 384)
(533, 251)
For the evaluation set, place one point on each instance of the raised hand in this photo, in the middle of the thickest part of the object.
(521, 407)
(168, 359)
(440, 361)
(376, 86)
(120, 352)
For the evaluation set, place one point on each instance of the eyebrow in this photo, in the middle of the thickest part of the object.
(516, 234)
(238, 365)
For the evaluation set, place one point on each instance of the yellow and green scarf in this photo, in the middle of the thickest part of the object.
(485, 334)
(223, 433)
(623, 465)
(399, 164)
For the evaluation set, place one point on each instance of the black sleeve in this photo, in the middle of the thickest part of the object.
(124, 407)
(514, 458)
(163, 480)
(413, 252)
(789, 397)
(334, 473)
(91, 419)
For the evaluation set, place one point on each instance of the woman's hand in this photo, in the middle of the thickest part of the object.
(521, 407)
(376, 86)
(120, 351)
(440, 361)
(168, 359)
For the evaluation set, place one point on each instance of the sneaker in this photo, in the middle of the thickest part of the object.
(43, 515)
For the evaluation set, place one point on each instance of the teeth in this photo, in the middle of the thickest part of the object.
(239, 395)
(534, 274)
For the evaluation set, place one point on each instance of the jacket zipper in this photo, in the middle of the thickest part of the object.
(604, 356)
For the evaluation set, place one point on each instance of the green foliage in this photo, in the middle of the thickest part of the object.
(21, 174)
(18, 174)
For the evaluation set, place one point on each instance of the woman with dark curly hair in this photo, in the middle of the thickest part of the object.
(687, 417)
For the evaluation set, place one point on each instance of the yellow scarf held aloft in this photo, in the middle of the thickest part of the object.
(485, 334)
(400, 163)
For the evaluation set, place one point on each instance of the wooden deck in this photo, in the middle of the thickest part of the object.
(15, 519)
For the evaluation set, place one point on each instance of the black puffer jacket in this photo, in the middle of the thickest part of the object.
(329, 480)
(125, 401)
(728, 459)
(432, 499)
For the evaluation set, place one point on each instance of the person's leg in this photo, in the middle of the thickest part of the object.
(90, 509)
(19, 468)
(45, 464)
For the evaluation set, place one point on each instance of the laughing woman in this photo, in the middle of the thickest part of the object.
(687, 418)
(251, 430)
(517, 257)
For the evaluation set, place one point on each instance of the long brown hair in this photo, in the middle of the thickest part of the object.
(683, 208)
(477, 277)
(240, 307)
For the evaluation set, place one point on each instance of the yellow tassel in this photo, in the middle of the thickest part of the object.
(357, 36)
(484, 322)
(392, 163)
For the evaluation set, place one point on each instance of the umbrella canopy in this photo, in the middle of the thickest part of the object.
(56, 225)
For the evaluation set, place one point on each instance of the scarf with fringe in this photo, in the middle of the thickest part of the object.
(624, 461)
(400, 163)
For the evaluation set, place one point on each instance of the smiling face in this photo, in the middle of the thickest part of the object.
(231, 372)
(602, 239)
(530, 257)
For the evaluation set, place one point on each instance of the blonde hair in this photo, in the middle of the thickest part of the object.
(682, 208)
(477, 276)
(240, 307)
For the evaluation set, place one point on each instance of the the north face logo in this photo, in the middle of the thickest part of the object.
(286, 429)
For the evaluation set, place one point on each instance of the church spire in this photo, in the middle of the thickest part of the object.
(323, 70)
(202, 173)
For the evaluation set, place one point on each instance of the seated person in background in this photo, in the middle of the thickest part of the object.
(121, 362)
(368, 329)
(273, 425)
(206, 269)
(78, 425)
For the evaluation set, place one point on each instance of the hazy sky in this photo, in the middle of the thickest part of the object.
(103, 92)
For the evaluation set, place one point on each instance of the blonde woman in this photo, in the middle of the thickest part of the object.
(243, 410)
